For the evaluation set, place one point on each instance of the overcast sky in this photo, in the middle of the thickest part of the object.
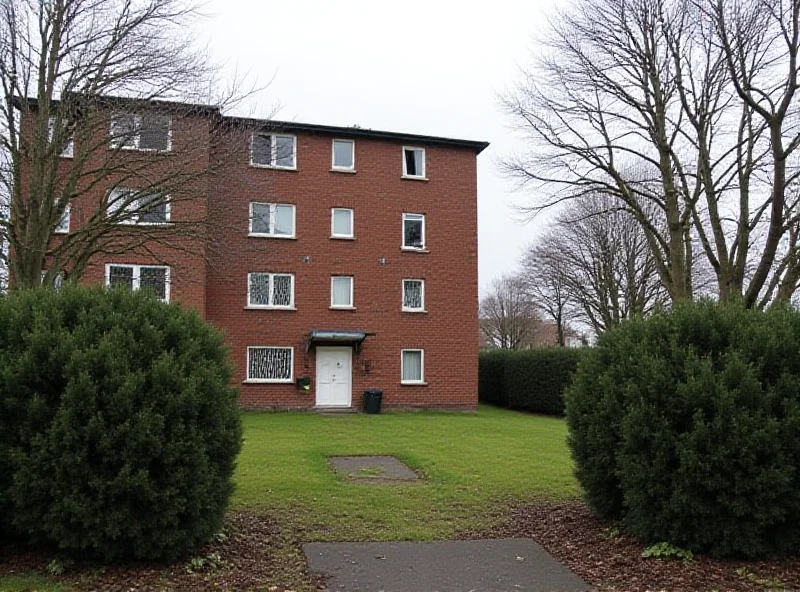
(430, 67)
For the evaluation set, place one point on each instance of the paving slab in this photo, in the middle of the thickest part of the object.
(503, 565)
(372, 468)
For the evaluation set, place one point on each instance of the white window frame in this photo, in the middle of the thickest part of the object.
(270, 380)
(403, 295)
(421, 366)
(352, 166)
(352, 292)
(424, 163)
(66, 218)
(352, 223)
(58, 281)
(273, 160)
(403, 230)
(271, 275)
(68, 151)
(273, 208)
(137, 276)
(116, 142)
(133, 219)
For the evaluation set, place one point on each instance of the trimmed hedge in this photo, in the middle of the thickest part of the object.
(491, 377)
(685, 426)
(531, 380)
(119, 428)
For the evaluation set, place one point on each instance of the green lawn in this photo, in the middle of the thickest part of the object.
(28, 583)
(472, 464)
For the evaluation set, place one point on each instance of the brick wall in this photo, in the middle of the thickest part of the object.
(209, 272)
(447, 332)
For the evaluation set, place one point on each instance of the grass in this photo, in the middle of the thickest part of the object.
(28, 583)
(473, 467)
(472, 464)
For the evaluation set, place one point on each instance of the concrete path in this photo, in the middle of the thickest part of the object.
(506, 565)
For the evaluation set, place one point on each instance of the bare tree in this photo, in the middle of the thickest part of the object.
(68, 147)
(681, 110)
(546, 281)
(605, 265)
(507, 315)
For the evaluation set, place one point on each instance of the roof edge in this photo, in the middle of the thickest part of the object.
(352, 131)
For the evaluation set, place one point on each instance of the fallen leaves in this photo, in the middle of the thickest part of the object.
(610, 559)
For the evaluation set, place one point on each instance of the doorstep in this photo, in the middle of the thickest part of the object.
(334, 410)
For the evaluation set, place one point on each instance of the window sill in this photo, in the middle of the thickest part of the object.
(413, 250)
(280, 236)
(414, 178)
(345, 238)
(69, 156)
(345, 171)
(414, 311)
(266, 381)
(352, 308)
(61, 232)
(413, 383)
(289, 308)
(272, 167)
(137, 149)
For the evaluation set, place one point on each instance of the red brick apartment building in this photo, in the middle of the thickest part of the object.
(337, 259)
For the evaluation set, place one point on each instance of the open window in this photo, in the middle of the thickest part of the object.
(413, 162)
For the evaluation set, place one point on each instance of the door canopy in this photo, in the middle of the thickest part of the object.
(335, 337)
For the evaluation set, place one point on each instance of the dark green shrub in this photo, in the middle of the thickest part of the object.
(531, 380)
(686, 426)
(491, 377)
(536, 379)
(120, 424)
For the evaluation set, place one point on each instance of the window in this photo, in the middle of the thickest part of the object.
(58, 280)
(414, 295)
(413, 231)
(270, 290)
(63, 225)
(269, 364)
(141, 132)
(273, 150)
(129, 206)
(414, 162)
(341, 223)
(342, 291)
(68, 147)
(276, 220)
(344, 155)
(412, 366)
(139, 277)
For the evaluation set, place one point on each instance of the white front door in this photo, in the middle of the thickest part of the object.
(334, 376)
